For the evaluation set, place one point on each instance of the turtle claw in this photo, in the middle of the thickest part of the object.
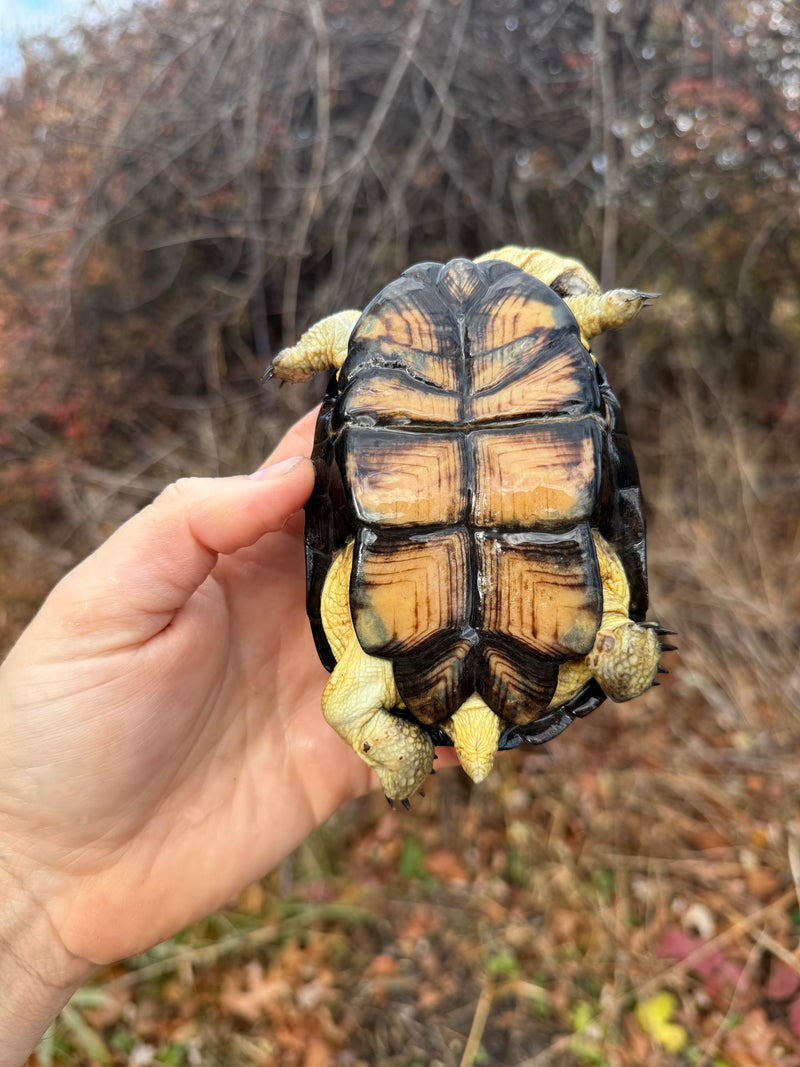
(406, 804)
(662, 670)
(646, 298)
(667, 647)
(267, 375)
(659, 629)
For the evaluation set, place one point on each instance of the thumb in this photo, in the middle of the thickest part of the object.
(150, 567)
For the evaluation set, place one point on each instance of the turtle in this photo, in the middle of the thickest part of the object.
(475, 541)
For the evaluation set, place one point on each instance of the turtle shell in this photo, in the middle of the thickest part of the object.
(469, 446)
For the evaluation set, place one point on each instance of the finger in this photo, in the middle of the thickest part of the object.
(150, 567)
(298, 440)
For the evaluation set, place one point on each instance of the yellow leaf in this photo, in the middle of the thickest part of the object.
(654, 1016)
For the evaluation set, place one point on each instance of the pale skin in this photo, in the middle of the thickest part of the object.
(161, 743)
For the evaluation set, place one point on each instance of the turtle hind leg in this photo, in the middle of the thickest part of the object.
(625, 654)
(624, 658)
(357, 702)
(322, 347)
(358, 699)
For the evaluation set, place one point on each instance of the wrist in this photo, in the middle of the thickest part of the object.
(37, 973)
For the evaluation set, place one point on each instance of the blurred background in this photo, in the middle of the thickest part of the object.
(184, 186)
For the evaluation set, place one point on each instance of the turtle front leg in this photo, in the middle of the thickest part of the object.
(594, 310)
(357, 702)
(597, 312)
(322, 347)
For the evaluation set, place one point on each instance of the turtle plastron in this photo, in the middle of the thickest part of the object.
(453, 372)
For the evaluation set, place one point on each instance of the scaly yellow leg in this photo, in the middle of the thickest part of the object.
(624, 658)
(359, 698)
(594, 310)
(322, 347)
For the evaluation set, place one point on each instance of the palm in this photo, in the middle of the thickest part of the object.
(199, 753)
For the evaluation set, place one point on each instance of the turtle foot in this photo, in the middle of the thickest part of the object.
(598, 312)
(400, 753)
(624, 659)
(405, 802)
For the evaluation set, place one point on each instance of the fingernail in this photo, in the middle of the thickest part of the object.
(276, 470)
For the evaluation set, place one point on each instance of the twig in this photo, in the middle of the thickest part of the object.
(386, 98)
(479, 1019)
(769, 943)
(313, 189)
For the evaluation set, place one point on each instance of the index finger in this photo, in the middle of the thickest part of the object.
(296, 441)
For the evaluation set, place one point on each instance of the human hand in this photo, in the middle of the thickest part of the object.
(161, 741)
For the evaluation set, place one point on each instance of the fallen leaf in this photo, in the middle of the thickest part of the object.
(750, 1043)
(251, 899)
(442, 864)
(654, 1016)
(318, 1054)
(719, 974)
(381, 966)
(761, 882)
(707, 839)
(251, 993)
(429, 998)
(677, 944)
(783, 981)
